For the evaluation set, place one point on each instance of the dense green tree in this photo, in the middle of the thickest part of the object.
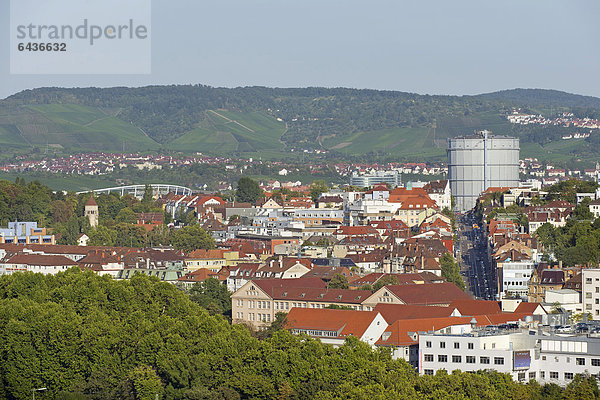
(102, 236)
(567, 190)
(126, 216)
(451, 270)
(98, 338)
(212, 295)
(386, 280)
(61, 211)
(316, 189)
(248, 190)
(338, 281)
(147, 198)
(192, 237)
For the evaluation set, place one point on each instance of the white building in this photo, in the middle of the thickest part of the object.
(569, 299)
(546, 358)
(393, 178)
(591, 291)
(514, 277)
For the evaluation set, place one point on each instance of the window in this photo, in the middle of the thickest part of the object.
(442, 345)
(428, 371)
(428, 344)
(456, 345)
(553, 375)
(484, 360)
(542, 374)
(456, 359)
(498, 360)
(596, 362)
(470, 346)
(470, 359)
(568, 375)
(521, 376)
(532, 375)
(580, 361)
(442, 358)
(428, 357)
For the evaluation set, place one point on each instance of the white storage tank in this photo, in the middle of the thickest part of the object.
(478, 162)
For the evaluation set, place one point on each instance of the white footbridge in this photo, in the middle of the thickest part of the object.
(138, 190)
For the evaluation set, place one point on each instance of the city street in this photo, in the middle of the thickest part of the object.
(474, 258)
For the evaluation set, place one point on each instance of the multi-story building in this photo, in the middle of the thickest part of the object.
(439, 191)
(257, 301)
(393, 178)
(514, 271)
(25, 233)
(590, 295)
(523, 355)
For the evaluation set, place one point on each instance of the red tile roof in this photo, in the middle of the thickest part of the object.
(39, 259)
(345, 296)
(268, 285)
(199, 275)
(344, 322)
(397, 334)
(428, 293)
(528, 307)
(476, 307)
(395, 312)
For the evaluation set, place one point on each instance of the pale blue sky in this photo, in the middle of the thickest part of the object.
(424, 46)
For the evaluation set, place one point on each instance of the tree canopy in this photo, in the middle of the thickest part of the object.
(83, 336)
(248, 190)
(192, 237)
(451, 270)
(338, 281)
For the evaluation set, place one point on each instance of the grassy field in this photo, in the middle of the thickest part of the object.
(82, 128)
(558, 151)
(403, 142)
(467, 125)
(227, 132)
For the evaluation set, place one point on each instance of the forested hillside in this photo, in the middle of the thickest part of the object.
(257, 119)
(82, 336)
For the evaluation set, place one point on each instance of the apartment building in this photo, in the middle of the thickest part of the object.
(524, 356)
(590, 295)
(258, 300)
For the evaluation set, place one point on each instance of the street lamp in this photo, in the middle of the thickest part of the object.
(37, 390)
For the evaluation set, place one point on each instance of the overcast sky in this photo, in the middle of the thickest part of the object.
(424, 46)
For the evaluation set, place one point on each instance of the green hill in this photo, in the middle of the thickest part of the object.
(273, 122)
(226, 131)
(72, 127)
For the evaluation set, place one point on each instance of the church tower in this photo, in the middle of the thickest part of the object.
(91, 212)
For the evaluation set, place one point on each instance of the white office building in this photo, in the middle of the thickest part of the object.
(590, 295)
(524, 356)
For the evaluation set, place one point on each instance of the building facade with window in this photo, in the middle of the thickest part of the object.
(258, 301)
(545, 358)
(590, 295)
